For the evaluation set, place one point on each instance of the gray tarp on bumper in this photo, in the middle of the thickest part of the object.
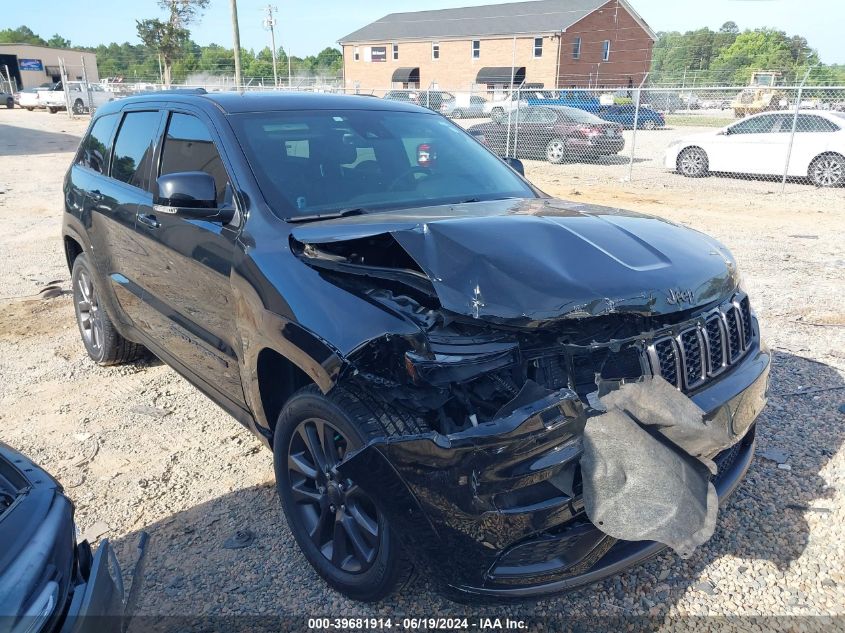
(646, 467)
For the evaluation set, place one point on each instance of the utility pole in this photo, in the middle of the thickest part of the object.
(236, 43)
(270, 24)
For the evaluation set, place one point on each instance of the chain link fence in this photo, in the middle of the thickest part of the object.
(772, 138)
(762, 138)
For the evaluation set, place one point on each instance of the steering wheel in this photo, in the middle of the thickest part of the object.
(411, 170)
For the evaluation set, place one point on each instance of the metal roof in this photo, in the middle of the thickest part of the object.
(535, 16)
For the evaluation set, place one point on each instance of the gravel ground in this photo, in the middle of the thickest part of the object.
(138, 448)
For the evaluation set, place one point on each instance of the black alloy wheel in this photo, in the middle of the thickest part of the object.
(340, 519)
(342, 530)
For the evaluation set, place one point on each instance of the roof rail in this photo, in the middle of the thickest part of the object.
(176, 91)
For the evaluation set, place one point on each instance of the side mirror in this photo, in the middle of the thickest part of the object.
(516, 165)
(190, 194)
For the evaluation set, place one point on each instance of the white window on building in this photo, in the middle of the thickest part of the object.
(395, 51)
(476, 49)
(576, 48)
(538, 47)
(435, 50)
(605, 55)
(356, 55)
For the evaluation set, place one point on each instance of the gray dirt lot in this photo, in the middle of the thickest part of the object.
(138, 448)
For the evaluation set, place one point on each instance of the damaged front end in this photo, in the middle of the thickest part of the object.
(551, 452)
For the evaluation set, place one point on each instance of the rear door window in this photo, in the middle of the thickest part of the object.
(133, 149)
(188, 146)
(96, 146)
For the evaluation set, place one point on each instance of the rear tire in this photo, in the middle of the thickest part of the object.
(102, 341)
(78, 107)
(10, 103)
(497, 115)
(457, 114)
(30, 109)
(52, 110)
(693, 163)
(827, 171)
(341, 530)
(556, 151)
(649, 125)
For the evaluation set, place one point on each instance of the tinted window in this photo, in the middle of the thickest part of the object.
(812, 123)
(574, 115)
(321, 161)
(96, 146)
(188, 147)
(133, 149)
(757, 125)
(536, 115)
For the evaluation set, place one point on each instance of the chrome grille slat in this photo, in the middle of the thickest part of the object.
(699, 351)
(734, 333)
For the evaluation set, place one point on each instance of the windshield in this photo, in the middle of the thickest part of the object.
(325, 161)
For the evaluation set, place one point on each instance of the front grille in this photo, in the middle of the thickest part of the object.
(695, 353)
(734, 336)
(668, 360)
(745, 308)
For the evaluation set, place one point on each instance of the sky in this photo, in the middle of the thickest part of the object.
(305, 28)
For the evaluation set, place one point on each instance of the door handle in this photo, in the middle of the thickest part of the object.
(148, 220)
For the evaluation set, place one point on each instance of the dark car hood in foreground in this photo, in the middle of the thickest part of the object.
(534, 260)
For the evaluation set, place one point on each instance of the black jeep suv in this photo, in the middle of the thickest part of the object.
(421, 337)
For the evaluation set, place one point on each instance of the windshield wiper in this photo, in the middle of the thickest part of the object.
(316, 217)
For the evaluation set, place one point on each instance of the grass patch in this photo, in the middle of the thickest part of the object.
(691, 120)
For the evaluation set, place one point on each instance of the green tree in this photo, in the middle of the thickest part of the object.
(169, 37)
(763, 49)
(261, 65)
(216, 59)
(57, 41)
(21, 35)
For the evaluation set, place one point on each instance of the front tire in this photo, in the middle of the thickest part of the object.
(10, 103)
(497, 115)
(649, 125)
(458, 114)
(340, 529)
(693, 162)
(827, 171)
(102, 341)
(52, 110)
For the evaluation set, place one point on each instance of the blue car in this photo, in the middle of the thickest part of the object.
(648, 119)
(569, 98)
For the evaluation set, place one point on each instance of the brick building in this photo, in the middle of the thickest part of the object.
(548, 43)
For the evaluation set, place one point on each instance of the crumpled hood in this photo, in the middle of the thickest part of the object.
(538, 260)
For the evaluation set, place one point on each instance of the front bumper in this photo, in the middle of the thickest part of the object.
(496, 510)
(47, 582)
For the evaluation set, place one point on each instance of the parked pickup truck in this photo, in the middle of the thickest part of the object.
(54, 99)
(568, 98)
